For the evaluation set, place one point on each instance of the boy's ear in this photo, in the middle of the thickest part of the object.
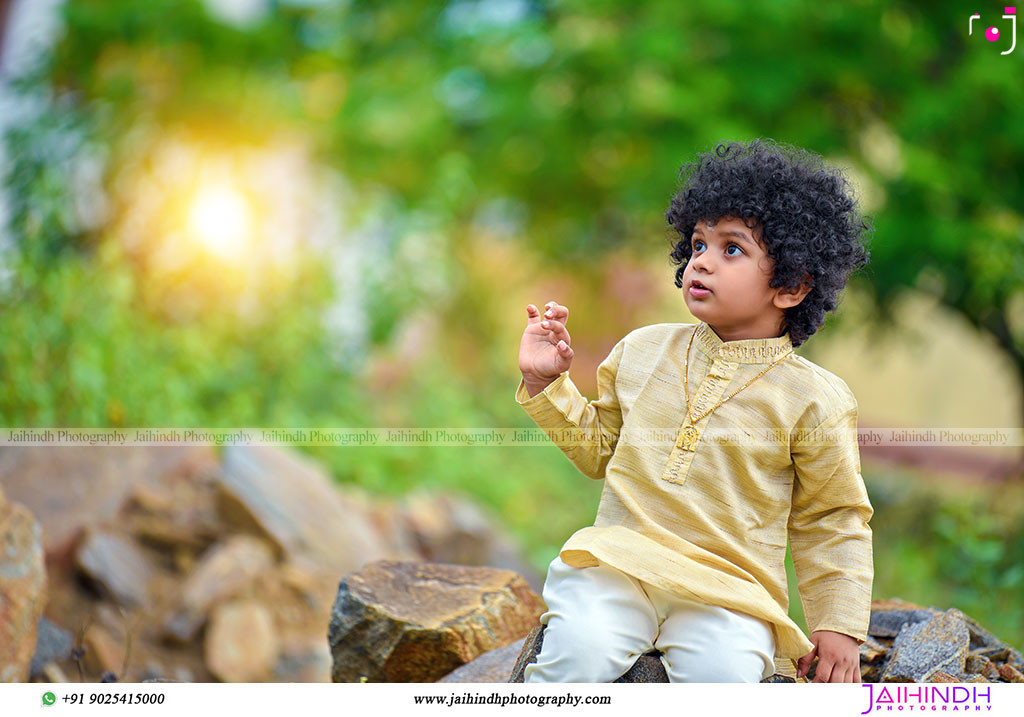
(787, 298)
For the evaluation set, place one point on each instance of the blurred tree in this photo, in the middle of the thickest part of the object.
(560, 122)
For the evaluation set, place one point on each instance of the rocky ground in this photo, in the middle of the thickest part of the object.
(415, 622)
(132, 564)
(173, 563)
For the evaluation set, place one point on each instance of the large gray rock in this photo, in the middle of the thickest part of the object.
(493, 666)
(118, 565)
(924, 648)
(53, 644)
(889, 623)
(297, 505)
(416, 622)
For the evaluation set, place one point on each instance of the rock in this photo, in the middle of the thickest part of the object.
(889, 623)
(493, 666)
(117, 564)
(104, 651)
(183, 674)
(780, 679)
(309, 662)
(921, 648)
(297, 505)
(995, 653)
(647, 669)
(416, 622)
(980, 637)
(175, 516)
(22, 589)
(53, 673)
(976, 663)
(241, 643)
(869, 673)
(872, 651)
(71, 488)
(224, 570)
(392, 524)
(531, 646)
(1010, 673)
(452, 529)
(940, 676)
(53, 644)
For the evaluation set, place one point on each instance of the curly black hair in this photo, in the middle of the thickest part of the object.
(809, 221)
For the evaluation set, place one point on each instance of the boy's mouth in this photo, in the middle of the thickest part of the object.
(698, 289)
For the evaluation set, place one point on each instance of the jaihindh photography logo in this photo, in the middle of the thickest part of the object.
(937, 698)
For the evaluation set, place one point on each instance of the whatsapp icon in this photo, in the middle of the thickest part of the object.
(49, 698)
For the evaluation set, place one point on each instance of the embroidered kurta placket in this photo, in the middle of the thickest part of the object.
(712, 390)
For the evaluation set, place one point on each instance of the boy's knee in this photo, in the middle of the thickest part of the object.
(577, 651)
(578, 665)
(723, 667)
(572, 667)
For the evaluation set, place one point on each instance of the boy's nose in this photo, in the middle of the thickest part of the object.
(700, 262)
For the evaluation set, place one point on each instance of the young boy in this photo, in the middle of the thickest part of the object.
(687, 552)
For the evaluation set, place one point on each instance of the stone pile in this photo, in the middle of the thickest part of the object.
(165, 563)
(910, 643)
(184, 564)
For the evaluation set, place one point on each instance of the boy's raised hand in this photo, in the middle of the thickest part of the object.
(544, 352)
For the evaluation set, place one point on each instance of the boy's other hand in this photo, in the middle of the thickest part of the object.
(838, 658)
(544, 352)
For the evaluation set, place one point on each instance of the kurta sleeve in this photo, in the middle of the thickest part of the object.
(829, 535)
(585, 431)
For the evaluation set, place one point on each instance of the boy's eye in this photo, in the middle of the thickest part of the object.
(696, 242)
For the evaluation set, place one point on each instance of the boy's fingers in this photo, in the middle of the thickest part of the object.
(824, 671)
(804, 663)
(557, 328)
(553, 310)
(532, 314)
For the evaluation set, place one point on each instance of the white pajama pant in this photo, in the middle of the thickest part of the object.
(600, 620)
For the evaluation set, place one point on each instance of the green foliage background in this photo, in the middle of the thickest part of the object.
(558, 127)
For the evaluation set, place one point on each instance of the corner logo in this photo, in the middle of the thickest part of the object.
(947, 698)
(992, 34)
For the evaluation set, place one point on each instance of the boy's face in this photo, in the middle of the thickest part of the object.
(728, 260)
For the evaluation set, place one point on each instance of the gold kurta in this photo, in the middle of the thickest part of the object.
(780, 459)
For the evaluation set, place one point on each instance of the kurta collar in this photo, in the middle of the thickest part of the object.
(744, 350)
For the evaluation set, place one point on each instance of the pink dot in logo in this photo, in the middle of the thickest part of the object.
(992, 34)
